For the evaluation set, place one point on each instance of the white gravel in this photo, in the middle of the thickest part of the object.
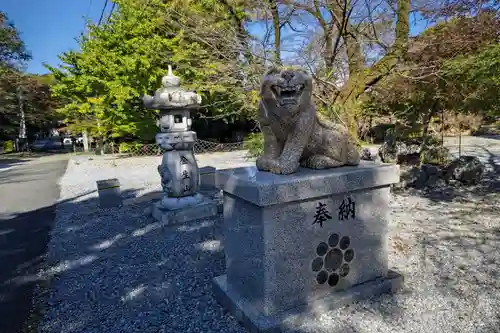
(137, 175)
(116, 270)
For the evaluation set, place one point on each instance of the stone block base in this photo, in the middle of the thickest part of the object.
(204, 209)
(207, 178)
(109, 193)
(286, 321)
(215, 195)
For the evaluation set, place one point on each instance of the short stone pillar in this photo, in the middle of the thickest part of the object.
(313, 235)
(180, 175)
(109, 193)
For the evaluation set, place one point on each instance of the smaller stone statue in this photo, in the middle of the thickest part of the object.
(294, 134)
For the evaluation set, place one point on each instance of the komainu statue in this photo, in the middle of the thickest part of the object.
(294, 134)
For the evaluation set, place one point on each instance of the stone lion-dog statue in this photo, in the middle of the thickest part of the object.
(294, 134)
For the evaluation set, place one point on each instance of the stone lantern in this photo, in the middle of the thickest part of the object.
(180, 176)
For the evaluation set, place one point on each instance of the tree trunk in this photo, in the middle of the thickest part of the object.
(242, 32)
(277, 32)
(459, 143)
(85, 137)
(425, 130)
(99, 146)
(362, 78)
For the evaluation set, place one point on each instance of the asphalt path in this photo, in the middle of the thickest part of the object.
(28, 193)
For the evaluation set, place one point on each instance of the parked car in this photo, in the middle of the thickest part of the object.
(47, 144)
(39, 144)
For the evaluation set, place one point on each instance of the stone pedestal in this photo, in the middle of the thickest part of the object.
(294, 242)
(202, 208)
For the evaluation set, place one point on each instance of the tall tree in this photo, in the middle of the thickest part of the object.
(476, 79)
(16, 85)
(12, 48)
(124, 59)
(350, 31)
(221, 48)
(436, 76)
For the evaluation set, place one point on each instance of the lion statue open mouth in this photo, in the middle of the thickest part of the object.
(287, 95)
(294, 134)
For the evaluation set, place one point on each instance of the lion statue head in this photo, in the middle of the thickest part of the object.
(286, 91)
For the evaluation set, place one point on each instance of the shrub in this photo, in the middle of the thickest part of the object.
(8, 146)
(137, 148)
(454, 123)
(254, 143)
(125, 147)
(435, 155)
(378, 132)
(108, 148)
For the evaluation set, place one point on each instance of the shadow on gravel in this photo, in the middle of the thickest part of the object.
(465, 250)
(488, 136)
(22, 249)
(129, 274)
(10, 162)
(27, 212)
(23, 246)
(489, 186)
(463, 257)
(118, 270)
(461, 245)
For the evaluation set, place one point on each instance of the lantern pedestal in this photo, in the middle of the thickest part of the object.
(180, 178)
(186, 211)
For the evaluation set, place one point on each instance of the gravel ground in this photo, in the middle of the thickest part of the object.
(116, 270)
(137, 175)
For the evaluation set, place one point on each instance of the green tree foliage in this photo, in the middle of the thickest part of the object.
(432, 80)
(477, 80)
(450, 67)
(12, 53)
(18, 88)
(33, 93)
(121, 61)
(211, 44)
(221, 47)
(12, 49)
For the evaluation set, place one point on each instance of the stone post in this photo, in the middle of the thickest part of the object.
(179, 172)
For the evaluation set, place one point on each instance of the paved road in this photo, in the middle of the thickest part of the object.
(28, 193)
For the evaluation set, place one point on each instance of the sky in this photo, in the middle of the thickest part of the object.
(50, 27)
